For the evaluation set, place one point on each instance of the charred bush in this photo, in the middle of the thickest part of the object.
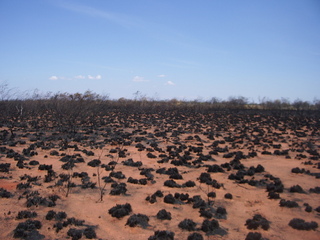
(118, 175)
(169, 199)
(162, 235)
(45, 167)
(209, 225)
(257, 221)
(164, 215)
(27, 230)
(89, 233)
(4, 167)
(189, 184)
(288, 203)
(187, 224)
(94, 163)
(273, 195)
(138, 219)
(300, 224)
(26, 214)
(228, 196)
(195, 236)
(120, 211)
(315, 190)
(75, 233)
(296, 188)
(253, 236)
(5, 194)
(118, 188)
(171, 184)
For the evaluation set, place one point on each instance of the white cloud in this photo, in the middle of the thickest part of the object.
(161, 76)
(77, 77)
(170, 83)
(94, 77)
(80, 77)
(53, 78)
(139, 79)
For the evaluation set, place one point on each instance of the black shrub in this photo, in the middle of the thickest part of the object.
(89, 233)
(253, 236)
(205, 178)
(198, 202)
(28, 230)
(24, 185)
(189, 184)
(118, 188)
(4, 167)
(257, 221)
(301, 224)
(221, 211)
(205, 213)
(169, 199)
(118, 175)
(26, 214)
(187, 224)
(212, 194)
(45, 167)
(308, 208)
(273, 195)
(162, 235)
(228, 196)
(94, 163)
(164, 215)
(120, 211)
(60, 215)
(288, 203)
(195, 236)
(296, 188)
(315, 190)
(132, 163)
(50, 215)
(138, 219)
(209, 225)
(74, 233)
(171, 184)
(33, 163)
(5, 194)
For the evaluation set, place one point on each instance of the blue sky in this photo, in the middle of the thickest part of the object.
(163, 49)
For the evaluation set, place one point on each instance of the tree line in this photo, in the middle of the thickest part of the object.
(67, 111)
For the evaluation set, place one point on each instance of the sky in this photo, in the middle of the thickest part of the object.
(163, 49)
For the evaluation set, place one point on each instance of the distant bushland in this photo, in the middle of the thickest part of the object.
(65, 111)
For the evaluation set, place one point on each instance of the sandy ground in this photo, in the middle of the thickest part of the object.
(83, 204)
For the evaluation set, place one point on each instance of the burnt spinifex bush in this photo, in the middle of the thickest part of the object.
(288, 203)
(138, 219)
(28, 230)
(300, 224)
(26, 214)
(74, 233)
(195, 236)
(256, 222)
(253, 236)
(164, 215)
(5, 194)
(162, 235)
(118, 188)
(187, 224)
(210, 225)
(5, 167)
(120, 211)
